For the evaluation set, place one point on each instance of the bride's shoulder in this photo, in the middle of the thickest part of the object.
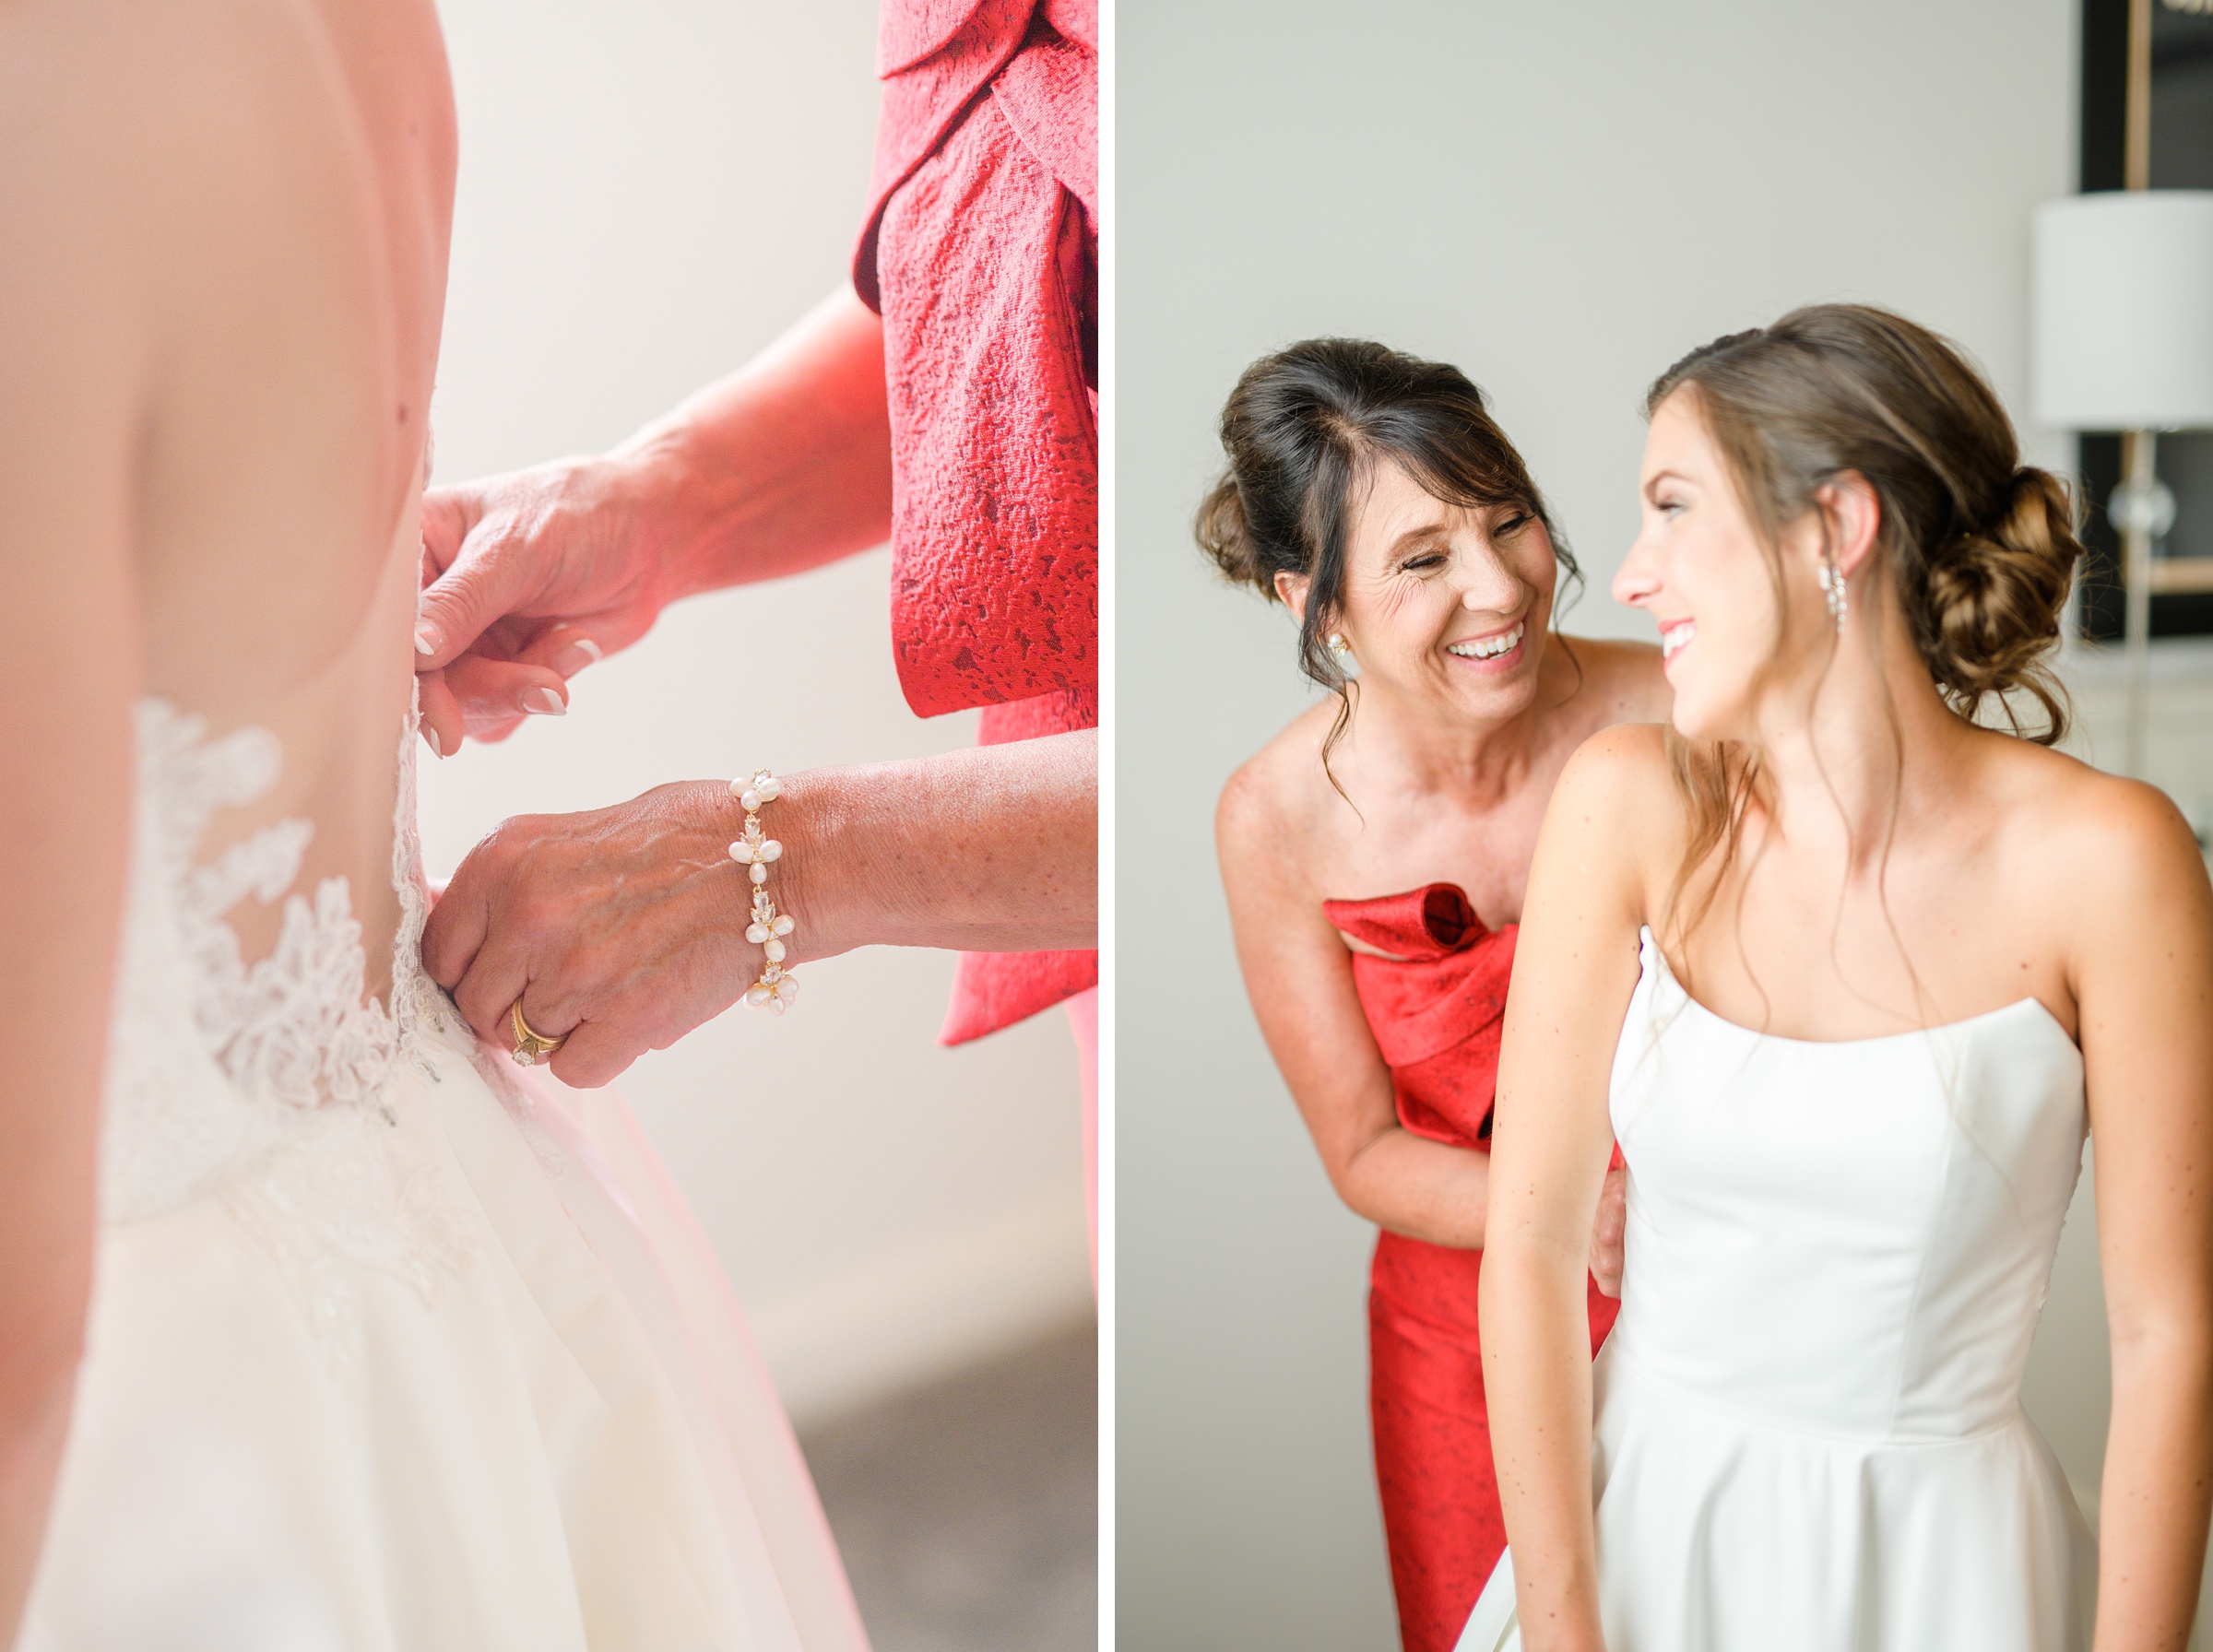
(1620, 797)
(1623, 766)
(123, 120)
(2102, 843)
(73, 70)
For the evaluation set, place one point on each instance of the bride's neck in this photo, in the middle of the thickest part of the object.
(1864, 736)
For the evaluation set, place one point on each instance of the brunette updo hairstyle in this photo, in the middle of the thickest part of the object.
(1303, 428)
(1978, 549)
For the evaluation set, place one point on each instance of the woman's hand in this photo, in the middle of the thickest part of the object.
(1609, 1232)
(622, 928)
(528, 578)
(531, 576)
(625, 927)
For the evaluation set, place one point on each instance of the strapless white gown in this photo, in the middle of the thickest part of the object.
(393, 1348)
(1808, 1429)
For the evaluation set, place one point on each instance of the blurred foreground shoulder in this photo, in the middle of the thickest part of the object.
(1616, 813)
(1617, 772)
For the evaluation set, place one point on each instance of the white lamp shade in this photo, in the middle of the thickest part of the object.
(2123, 308)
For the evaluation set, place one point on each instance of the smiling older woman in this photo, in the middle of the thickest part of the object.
(1374, 855)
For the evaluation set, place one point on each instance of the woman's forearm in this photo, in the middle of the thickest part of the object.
(633, 918)
(1418, 1188)
(782, 465)
(992, 849)
(2158, 1485)
(1536, 1374)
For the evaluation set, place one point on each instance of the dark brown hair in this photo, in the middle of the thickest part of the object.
(1307, 424)
(1978, 549)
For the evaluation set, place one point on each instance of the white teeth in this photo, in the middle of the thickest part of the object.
(1489, 648)
(1672, 643)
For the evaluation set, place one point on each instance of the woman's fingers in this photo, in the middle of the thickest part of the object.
(505, 929)
(618, 926)
(447, 515)
(1610, 1233)
(496, 695)
(442, 724)
(565, 649)
(496, 979)
(595, 1053)
(495, 569)
(456, 926)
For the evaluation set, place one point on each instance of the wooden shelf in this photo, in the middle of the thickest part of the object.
(2181, 573)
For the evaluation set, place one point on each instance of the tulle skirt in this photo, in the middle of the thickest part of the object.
(453, 1371)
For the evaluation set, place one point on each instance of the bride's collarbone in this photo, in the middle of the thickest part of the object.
(1807, 977)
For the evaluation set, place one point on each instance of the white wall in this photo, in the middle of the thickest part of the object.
(1562, 198)
(649, 192)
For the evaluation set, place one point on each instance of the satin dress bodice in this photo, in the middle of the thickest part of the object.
(1892, 1205)
(1808, 1430)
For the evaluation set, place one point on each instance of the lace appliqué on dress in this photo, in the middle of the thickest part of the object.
(265, 1083)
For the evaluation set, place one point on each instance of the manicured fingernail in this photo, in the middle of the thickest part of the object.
(544, 702)
(579, 653)
(431, 734)
(429, 639)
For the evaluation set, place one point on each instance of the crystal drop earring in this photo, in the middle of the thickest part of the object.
(1832, 588)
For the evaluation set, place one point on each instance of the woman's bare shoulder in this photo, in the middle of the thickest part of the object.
(1622, 770)
(2092, 840)
(1621, 681)
(1279, 796)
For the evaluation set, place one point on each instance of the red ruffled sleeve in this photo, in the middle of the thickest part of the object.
(1436, 1006)
(980, 250)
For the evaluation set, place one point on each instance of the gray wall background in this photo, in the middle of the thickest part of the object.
(1561, 198)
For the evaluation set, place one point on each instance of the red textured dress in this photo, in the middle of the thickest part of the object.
(980, 252)
(1436, 1017)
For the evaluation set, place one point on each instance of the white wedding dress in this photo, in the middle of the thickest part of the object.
(393, 1348)
(1808, 1430)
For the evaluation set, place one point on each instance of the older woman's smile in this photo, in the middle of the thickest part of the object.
(1492, 650)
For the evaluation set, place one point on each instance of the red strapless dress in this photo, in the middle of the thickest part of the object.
(1436, 1018)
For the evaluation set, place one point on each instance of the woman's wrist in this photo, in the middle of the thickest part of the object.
(666, 501)
(977, 850)
(834, 885)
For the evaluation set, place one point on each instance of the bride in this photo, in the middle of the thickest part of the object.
(319, 1327)
(1849, 971)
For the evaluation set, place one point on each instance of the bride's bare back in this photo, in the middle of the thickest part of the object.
(246, 211)
(221, 281)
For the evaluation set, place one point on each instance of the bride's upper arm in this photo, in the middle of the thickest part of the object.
(1575, 967)
(2142, 966)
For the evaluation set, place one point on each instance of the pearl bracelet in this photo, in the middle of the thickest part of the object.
(775, 989)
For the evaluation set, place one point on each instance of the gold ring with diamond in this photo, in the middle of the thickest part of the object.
(531, 1047)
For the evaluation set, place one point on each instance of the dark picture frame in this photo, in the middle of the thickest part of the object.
(2182, 157)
